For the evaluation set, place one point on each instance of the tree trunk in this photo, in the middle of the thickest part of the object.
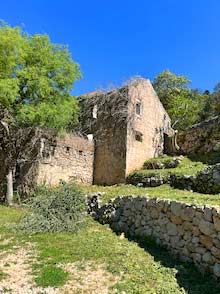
(9, 176)
(9, 194)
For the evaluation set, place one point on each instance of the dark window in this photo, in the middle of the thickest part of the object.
(68, 149)
(80, 152)
(138, 108)
(138, 136)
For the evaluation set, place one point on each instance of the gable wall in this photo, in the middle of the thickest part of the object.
(152, 123)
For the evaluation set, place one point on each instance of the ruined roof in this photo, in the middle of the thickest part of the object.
(131, 82)
(91, 94)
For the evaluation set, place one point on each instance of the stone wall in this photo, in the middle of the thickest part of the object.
(205, 181)
(152, 123)
(105, 116)
(201, 138)
(110, 157)
(191, 232)
(68, 158)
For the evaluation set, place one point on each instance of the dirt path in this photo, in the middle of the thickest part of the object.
(91, 279)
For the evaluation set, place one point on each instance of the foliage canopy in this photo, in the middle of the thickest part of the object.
(183, 104)
(36, 77)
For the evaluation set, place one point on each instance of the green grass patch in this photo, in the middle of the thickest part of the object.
(164, 191)
(9, 217)
(51, 276)
(186, 167)
(189, 165)
(2, 275)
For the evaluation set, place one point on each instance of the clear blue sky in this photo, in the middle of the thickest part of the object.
(115, 40)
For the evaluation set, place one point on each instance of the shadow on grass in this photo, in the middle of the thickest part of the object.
(187, 275)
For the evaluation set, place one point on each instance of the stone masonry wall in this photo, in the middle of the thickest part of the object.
(110, 158)
(104, 115)
(201, 138)
(152, 123)
(70, 158)
(191, 232)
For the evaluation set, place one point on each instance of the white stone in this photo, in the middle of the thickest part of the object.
(216, 269)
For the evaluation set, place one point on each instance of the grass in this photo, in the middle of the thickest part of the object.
(188, 166)
(164, 191)
(51, 276)
(2, 275)
(140, 266)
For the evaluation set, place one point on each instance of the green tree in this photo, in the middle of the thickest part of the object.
(36, 78)
(185, 110)
(168, 85)
(182, 103)
(217, 88)
(211, 107)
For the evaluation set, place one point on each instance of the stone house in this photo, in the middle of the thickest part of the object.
(129, 125)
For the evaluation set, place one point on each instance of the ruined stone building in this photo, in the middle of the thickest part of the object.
(118, 130)
(49, 159)
(128, 125)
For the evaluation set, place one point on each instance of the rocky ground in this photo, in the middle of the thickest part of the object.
(19, 279)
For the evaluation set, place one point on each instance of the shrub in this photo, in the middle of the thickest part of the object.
(55, 210)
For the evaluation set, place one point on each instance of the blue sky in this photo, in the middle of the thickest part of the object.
(115, 40)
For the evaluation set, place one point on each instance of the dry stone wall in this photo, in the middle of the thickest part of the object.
(206, 181)
(190, 231)
(201, 138)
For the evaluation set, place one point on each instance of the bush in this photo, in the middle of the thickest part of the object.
(55, 210)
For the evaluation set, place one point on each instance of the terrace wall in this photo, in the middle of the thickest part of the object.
(201, 138)
(191, 232)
